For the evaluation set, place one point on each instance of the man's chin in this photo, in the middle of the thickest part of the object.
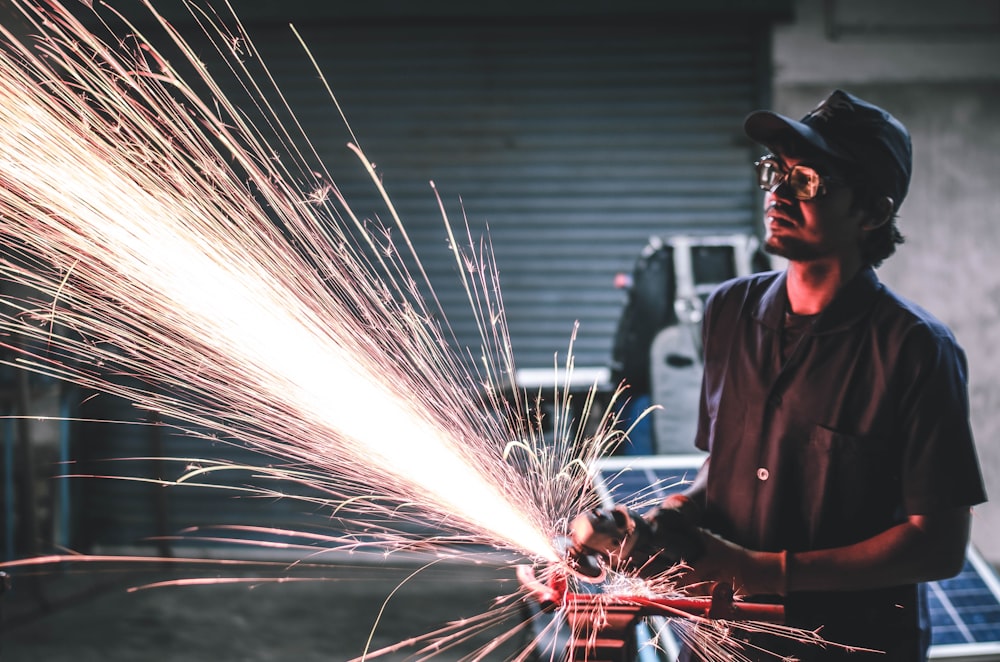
(790, 248)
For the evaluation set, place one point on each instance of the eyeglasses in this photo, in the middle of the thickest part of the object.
(805, 182)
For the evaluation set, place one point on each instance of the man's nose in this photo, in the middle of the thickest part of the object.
(780, 191)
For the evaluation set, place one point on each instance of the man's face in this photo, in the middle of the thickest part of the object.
(826, 226)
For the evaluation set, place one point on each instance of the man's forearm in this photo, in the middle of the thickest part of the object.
(924, 548)
(697, 489)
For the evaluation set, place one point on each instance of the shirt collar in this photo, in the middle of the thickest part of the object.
(853, 300)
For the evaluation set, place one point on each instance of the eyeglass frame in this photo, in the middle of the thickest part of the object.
(784, 175)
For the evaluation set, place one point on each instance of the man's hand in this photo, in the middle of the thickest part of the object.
(674, 529)
(749, 572)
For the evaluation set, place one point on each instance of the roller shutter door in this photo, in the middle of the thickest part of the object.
(568, 145)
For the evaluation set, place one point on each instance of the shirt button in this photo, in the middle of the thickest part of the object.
(763, 474)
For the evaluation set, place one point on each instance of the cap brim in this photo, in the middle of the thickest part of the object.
(774, 131)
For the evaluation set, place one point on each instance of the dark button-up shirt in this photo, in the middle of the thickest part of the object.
(865, 423)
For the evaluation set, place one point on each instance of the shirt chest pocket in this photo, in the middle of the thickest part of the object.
(849, 486)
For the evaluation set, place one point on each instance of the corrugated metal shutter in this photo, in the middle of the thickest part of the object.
(570, 145)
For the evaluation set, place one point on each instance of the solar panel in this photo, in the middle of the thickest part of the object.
(965, 610)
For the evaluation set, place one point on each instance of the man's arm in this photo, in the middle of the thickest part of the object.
(923, 548)
(696, 490)
(690, 502)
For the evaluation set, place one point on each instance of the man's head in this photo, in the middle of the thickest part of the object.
(859, 140)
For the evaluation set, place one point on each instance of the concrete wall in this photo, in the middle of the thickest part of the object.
(939, 73)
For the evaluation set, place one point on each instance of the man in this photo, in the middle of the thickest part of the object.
(841, 468)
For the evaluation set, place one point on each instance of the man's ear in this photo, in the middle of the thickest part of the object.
(880, 213)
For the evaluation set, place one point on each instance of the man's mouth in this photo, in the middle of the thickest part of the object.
(776, 214)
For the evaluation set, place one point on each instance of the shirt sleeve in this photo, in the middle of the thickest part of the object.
(940, 465)
(713, 339)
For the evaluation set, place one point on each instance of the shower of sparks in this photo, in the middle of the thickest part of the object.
(157, 233)
(173, 248)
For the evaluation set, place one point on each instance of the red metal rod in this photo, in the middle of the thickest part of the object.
(707, 608)
(721, 605)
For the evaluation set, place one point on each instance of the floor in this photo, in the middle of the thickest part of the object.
(331, 615)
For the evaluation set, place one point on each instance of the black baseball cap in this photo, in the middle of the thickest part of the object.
(850, 130)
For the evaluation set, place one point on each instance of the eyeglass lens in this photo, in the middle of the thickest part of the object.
(803, 181)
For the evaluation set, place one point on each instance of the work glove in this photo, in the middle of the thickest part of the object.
(670, 536)
(674, 528)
